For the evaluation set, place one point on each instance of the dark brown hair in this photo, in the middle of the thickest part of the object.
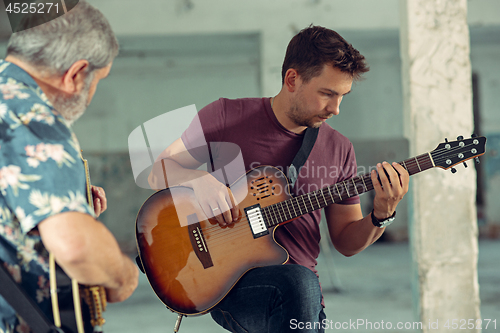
(315, 46)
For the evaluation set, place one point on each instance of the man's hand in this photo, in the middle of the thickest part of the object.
(180, 168)
(100, 201)
(129, 284)
(391, 188)
(215, 199)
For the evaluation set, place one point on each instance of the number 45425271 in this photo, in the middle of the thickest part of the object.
(32, 8)
(463, 324)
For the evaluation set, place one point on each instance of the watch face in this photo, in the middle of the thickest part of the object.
(387, 222)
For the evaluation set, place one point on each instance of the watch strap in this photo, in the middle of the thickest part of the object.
(384, 222)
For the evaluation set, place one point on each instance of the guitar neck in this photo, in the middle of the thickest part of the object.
(297, 206)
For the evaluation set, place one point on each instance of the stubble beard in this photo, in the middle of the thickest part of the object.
(297, 113)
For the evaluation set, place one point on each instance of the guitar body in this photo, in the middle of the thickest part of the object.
(188, 279)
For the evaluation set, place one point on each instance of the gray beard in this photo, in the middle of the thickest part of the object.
(73, 107)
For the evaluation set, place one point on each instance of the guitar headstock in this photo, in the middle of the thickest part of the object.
(449, 154)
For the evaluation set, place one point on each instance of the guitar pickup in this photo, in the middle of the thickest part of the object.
(256, 221)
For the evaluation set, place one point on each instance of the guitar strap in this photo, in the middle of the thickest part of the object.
(24, 305)
(300, 158)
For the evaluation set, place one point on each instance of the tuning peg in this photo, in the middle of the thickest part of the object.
(465, 164)
(474, 135)
(460, 137)
(453, 170)
(477, 160)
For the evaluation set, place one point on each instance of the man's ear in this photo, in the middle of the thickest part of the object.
(291, 79)
(73, 81)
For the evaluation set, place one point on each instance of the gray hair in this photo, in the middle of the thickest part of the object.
(52, 47)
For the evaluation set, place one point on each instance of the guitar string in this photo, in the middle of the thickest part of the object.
(306, 207)
(311, 206)
(448, 152)
(296, 204)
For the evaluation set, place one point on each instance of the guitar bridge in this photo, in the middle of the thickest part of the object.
(198, 241)
(256, 221)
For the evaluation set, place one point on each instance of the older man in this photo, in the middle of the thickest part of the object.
(47, 80)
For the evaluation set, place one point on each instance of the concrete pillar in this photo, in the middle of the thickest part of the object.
(438, 104)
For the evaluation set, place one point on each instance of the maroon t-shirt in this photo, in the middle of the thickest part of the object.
(251, 124)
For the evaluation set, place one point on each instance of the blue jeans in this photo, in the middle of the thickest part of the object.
(283, 298)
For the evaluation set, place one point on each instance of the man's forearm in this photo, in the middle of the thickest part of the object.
(357, 236)
(88, 252)
(168, 173)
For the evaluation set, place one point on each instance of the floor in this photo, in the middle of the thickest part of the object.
(351, 295)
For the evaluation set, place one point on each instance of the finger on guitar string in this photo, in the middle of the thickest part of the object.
(404, 176)
(224, 206)
(212, 212)
(235, 211)
(390, 186)
(223, 209)
(213, 198)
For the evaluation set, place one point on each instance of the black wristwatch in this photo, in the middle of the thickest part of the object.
(383, 223)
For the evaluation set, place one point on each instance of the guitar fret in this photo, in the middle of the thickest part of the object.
(274, 213)
(354, 183)
(281, 217)
(268, 219)
(363, 179)
(432, 160)
(309, 197)
(285, 203)
(346, 189)
(336, 186)
(324, 199)
(284, 213)
(416, 160)
(404, 164)
(316, 196)
(291, 216)
(331, 196)
(305, 206)
(298, 206)
(294, 212)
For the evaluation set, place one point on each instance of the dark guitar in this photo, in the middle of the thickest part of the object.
(192, 263)
(77, 308)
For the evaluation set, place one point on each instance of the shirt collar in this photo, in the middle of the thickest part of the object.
(17, 73)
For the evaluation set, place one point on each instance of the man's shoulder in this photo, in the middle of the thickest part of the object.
(19, 92)
(331, 135)
(227, 108)
(238, 103)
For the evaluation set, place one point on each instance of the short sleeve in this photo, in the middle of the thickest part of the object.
(41, 172)
(206, 127)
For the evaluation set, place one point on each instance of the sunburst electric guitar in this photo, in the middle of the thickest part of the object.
(192, 263)
(82, 311)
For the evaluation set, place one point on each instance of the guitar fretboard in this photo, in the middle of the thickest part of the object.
(297, 206)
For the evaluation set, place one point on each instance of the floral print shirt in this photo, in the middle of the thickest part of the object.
(41, 175)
